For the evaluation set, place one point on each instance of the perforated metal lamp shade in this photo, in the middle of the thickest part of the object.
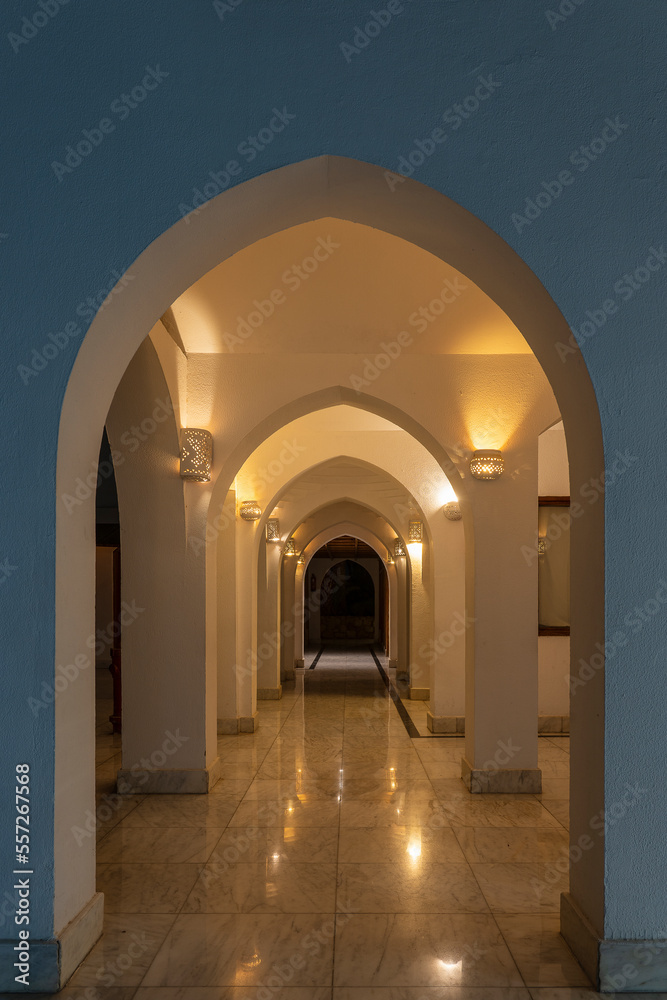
(452, 511)
(250, 510)
(487, 464)
(399, 548)
(196, 454)
(415, 532)
(273, 530)
(290, 547)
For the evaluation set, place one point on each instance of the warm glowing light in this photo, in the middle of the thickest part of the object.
(399, 548)
(487, 464)
(273, 530)
(415, 532)
(250, 510)
(196, 454)
(452, 511)
(454, 970)
(415, 847)
(289, 548)
(276, 857)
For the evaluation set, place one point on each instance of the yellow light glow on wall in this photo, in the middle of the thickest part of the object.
(289, 549)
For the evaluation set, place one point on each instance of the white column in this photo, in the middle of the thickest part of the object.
(501, 667)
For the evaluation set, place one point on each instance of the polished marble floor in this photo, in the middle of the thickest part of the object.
(337, 859)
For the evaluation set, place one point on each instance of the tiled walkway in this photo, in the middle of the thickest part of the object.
(337, 858)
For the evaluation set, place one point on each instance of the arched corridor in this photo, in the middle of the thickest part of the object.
(422, 702)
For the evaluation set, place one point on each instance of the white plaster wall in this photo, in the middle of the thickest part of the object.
(553, 468)
(554, 673)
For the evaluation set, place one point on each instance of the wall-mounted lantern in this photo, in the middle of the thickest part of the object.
(399, 548)
(289, 548)
(250, 510)
(452, 511)
(196, 454)
(273, 530)
(415, 533)
(488, 464)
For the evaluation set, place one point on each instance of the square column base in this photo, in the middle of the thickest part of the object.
(614, 966)
(446, 723)
(299, 663)
(52, 962)
(420, 694)
(270, 694)
(501, 780)
(553, 724)
(190, 781)
(235, 725)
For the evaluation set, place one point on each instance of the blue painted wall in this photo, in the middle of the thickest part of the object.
(227, 67)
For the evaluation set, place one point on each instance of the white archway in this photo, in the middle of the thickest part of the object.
(356, 191)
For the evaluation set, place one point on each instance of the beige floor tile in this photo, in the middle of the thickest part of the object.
(521, 888)
(182, 810)
(145, 888)
(411, 886)
(124, 952)
(413, 949)
(487, 844)
(164, 845)
(308, 845)
(264, 887)
(540, 952)
(286, 813)
(393, 844)
(559, 809)
(241, 949)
